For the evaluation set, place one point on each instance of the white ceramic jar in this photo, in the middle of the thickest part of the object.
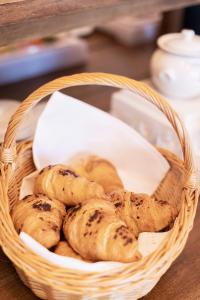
(175, 66)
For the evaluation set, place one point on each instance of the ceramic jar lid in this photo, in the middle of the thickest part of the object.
(184, 43)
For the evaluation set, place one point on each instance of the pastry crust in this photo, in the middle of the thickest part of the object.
(40, 217)
(99, 170)
(96, 233)
(62, 183)
(143, 213)
(63, 248)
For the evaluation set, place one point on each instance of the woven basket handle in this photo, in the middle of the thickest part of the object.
(9, 146)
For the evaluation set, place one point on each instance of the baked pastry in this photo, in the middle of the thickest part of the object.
(143, 213)
(99, 170)
(95, 232)
(63, 248)
(40, 217)
(61, 183)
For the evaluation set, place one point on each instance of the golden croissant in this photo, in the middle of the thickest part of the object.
(61, 183)
(40, 217)
(95, 232)
(142, 212)
(99, 170)
(64, 249)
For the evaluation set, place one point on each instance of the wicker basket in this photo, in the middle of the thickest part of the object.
(131, 281)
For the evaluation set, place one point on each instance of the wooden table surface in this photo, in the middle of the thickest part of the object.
(182, 281)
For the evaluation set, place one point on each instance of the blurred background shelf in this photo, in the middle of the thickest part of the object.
(37, 18)
(105, 56)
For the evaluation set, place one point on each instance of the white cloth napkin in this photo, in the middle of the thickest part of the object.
(148, 242)
(68, 127)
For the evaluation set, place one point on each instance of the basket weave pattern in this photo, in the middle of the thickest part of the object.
(131, 281)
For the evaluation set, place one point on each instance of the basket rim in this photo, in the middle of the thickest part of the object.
(150, 267)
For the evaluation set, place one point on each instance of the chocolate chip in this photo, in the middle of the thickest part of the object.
(67, 172)
(55, 227)
(136, 200)
(138, 203)
(42, 206)
(100, 218)
(162, 202)
(128, 241)
(94, 216)
(122, 227)
(118, 204)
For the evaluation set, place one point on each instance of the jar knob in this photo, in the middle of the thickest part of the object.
(188, 34)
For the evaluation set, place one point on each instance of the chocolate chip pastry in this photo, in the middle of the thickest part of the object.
(40, 217)
(143, 213)
(62, 183)
(99, 170)
(95, 232)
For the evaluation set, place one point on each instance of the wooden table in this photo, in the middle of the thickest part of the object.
(22, 19)
(182, 280)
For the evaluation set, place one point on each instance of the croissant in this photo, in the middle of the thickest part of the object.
(143, 213)
(99, 170)
(40, 217)
(64, 249)
(63, 184)
(96, 233)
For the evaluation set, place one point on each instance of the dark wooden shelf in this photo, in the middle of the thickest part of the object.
(37, 18)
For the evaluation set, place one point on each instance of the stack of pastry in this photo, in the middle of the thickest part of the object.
(86, 204)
